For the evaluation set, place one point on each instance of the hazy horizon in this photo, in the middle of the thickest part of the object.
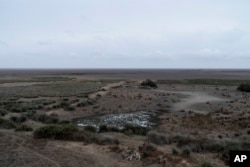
(138, 34)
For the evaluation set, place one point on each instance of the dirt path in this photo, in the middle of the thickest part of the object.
(191, 98)
(106, 88)
(195, 98)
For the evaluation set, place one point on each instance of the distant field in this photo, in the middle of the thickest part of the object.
(221, 82)
(51, 90)
(33, 79)
(157, 74)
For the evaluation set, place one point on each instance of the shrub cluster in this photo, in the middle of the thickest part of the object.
(149, 83)
(244, 87)
(18, 120)
(23, 127)
(128, 129)
(63, 131)
(71, 132)
(137, 130)
(46, 119)
(158, 138)
(3, 112)
(7, 124)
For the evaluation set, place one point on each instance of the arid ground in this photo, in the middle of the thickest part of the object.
(192, 119)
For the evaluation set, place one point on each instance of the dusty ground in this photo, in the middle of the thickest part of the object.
(214, 113)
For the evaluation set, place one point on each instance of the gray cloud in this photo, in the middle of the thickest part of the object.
(111, 33)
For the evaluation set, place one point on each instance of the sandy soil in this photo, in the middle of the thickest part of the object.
(203, 112)
(192, 98)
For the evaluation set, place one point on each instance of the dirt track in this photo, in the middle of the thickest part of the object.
(194, 97)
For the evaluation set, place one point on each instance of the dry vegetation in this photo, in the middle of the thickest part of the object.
(38, 122)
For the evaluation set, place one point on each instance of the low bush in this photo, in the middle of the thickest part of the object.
(175, 151)
(64, 122)
(186, 152)
(71, 132)
(46, 119)
(62, 132)
(147, 150)
(149, 83)
(66, 106)
(106, 140)
(244, 87)
(7, 124)
(23, 127)
(134, 129)
(30, 114)
(90, 128)
(18, 120)
(105, 128)
(127, 129)
(3, 112)
(206, 164)
(158, 138)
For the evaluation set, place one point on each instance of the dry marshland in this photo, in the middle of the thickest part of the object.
(70, 118)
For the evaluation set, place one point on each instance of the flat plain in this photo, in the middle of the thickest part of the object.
(107, 118)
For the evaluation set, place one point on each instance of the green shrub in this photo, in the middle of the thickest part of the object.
(46, 119)
(158, 138)
(149, 83)
(186, 152)
(82, 104)
(175, 151)
(244, 87)
(18, 120)
(23, 127)
(106, 140)
(138, 130)
(7, 124)
(90, 101)
(113, 129)
(30, 114)
(103, 128)
(66, 106)
(64, 122)
(206, 164)
(3, 112)
(90, 128)
(62, 132)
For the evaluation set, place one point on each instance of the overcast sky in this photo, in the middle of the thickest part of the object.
(124, 34)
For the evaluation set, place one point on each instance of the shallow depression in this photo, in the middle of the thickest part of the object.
(139, 118)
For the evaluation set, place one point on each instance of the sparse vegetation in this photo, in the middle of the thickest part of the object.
(23, 127)
(133, 129)
(90, 128)
(18, 120)
(224, 82)
(71, 132)
(52, 119)
(188, 132)
(106, 140)
(7, 124)
(206, 164)
(158, 138)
